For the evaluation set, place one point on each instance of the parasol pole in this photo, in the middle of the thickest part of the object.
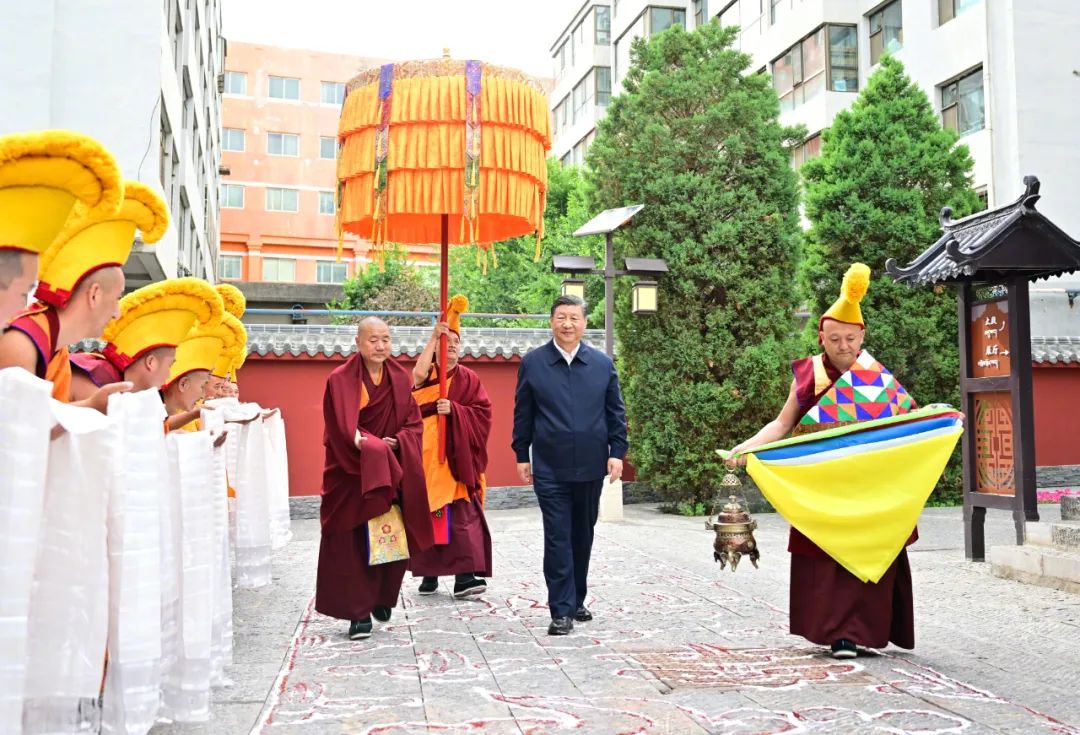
(443, 303)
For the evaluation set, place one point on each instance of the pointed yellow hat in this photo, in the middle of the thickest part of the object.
(233, 349)
(42, 177)
(94, 239)
(235, 303)
(458, 305)
(854, 287)
(159, 315)
(198, 351)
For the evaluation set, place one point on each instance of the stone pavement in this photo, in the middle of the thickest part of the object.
(677, 646)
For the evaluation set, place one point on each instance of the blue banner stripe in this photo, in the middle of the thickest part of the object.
(858, 438)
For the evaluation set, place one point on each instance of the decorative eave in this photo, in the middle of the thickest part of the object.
(279, 340)
(992, 245)
(1055, 350)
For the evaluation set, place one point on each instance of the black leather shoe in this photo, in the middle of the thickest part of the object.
(468, 586)
(560, 626)
(360, 629)
(844, 648)
(582, 615)
(382, 614)
(429, 586)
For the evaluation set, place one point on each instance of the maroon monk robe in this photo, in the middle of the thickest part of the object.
(827, 602)
(468, 428)
(360, 485)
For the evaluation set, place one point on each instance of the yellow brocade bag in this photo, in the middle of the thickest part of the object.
(386, 538)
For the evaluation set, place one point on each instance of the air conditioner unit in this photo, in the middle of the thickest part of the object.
(221, 83)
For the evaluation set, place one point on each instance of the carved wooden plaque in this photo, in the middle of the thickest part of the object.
(990, 340)
(994, 459)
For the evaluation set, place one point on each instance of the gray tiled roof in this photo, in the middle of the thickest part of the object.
(1011, 239)
(311, 339)
(1055, 350)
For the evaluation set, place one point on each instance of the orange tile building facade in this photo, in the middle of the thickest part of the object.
(279, 144)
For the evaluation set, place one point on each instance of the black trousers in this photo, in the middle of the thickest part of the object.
(569, 510)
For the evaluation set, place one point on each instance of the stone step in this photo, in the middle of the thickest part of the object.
(1064, 535)
(1045, 566)
(1070, 507)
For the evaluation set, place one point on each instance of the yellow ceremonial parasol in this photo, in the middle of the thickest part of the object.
(443, 151)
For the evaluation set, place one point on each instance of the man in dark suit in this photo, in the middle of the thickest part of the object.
(568, 409)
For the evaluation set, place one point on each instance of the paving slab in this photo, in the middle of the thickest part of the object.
(677, 646)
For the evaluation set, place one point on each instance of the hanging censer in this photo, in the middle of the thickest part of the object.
(734, 528)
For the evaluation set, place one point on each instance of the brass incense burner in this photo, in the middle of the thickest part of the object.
(734, 529)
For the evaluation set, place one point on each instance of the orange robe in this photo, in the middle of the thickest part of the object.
(41, 324)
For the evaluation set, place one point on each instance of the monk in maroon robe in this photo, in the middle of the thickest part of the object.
(456, 486)
(372, 436)
(828, 605)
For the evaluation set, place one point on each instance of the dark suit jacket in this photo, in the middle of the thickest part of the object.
(571, 415)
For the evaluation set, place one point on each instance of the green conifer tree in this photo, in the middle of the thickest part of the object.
(697, 140)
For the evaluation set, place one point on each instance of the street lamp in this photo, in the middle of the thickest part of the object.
(645, 291)
(574, 287)
(644, 301)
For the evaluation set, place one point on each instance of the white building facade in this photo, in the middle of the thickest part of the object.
(1003, 73)
(144, 78)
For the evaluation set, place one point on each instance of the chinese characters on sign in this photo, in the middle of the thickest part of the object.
(994, 459)
(990, 340)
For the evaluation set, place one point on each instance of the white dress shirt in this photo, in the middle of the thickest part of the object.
(568, 356)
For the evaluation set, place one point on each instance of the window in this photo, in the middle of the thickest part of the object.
(799, 75)
(579, 153)
(284, 88)
(577, 41)
(333, 93)
(282, 200)
(232, 139)
(328, 148)
(660, 19)
(984, 199)
(326, 202)
(730, 16)
(231, 267)
(327, 271)
(810, 148)
(232, 196)
(774, 6)
(603, 25)
(283, 144)
(568, 159)
(580, 95)
(557, 116)
(235, 82)
(962, 103)
(603, 85)
(843, 59)
(279, 269)
(565, 110)
(560, 60)
(949, 9)
(886, 31)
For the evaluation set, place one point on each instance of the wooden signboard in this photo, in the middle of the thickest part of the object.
(990, 357)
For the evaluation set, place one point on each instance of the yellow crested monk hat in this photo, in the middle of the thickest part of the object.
(458, 305)
(43, 176)
(95, 239)
(198, 351)
(846, 308)
(159, 315)
(233, 348)
(235, 303)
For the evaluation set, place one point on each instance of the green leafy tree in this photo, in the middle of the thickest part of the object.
(886, 169)
(697, 141)
(391, 285)
(514, 282)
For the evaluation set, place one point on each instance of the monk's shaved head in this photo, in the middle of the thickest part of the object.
(11, 265)
(368, 323)
(18, 274)
(373, 341)
(109, 278)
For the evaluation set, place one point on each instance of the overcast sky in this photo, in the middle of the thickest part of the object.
(516, 33)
